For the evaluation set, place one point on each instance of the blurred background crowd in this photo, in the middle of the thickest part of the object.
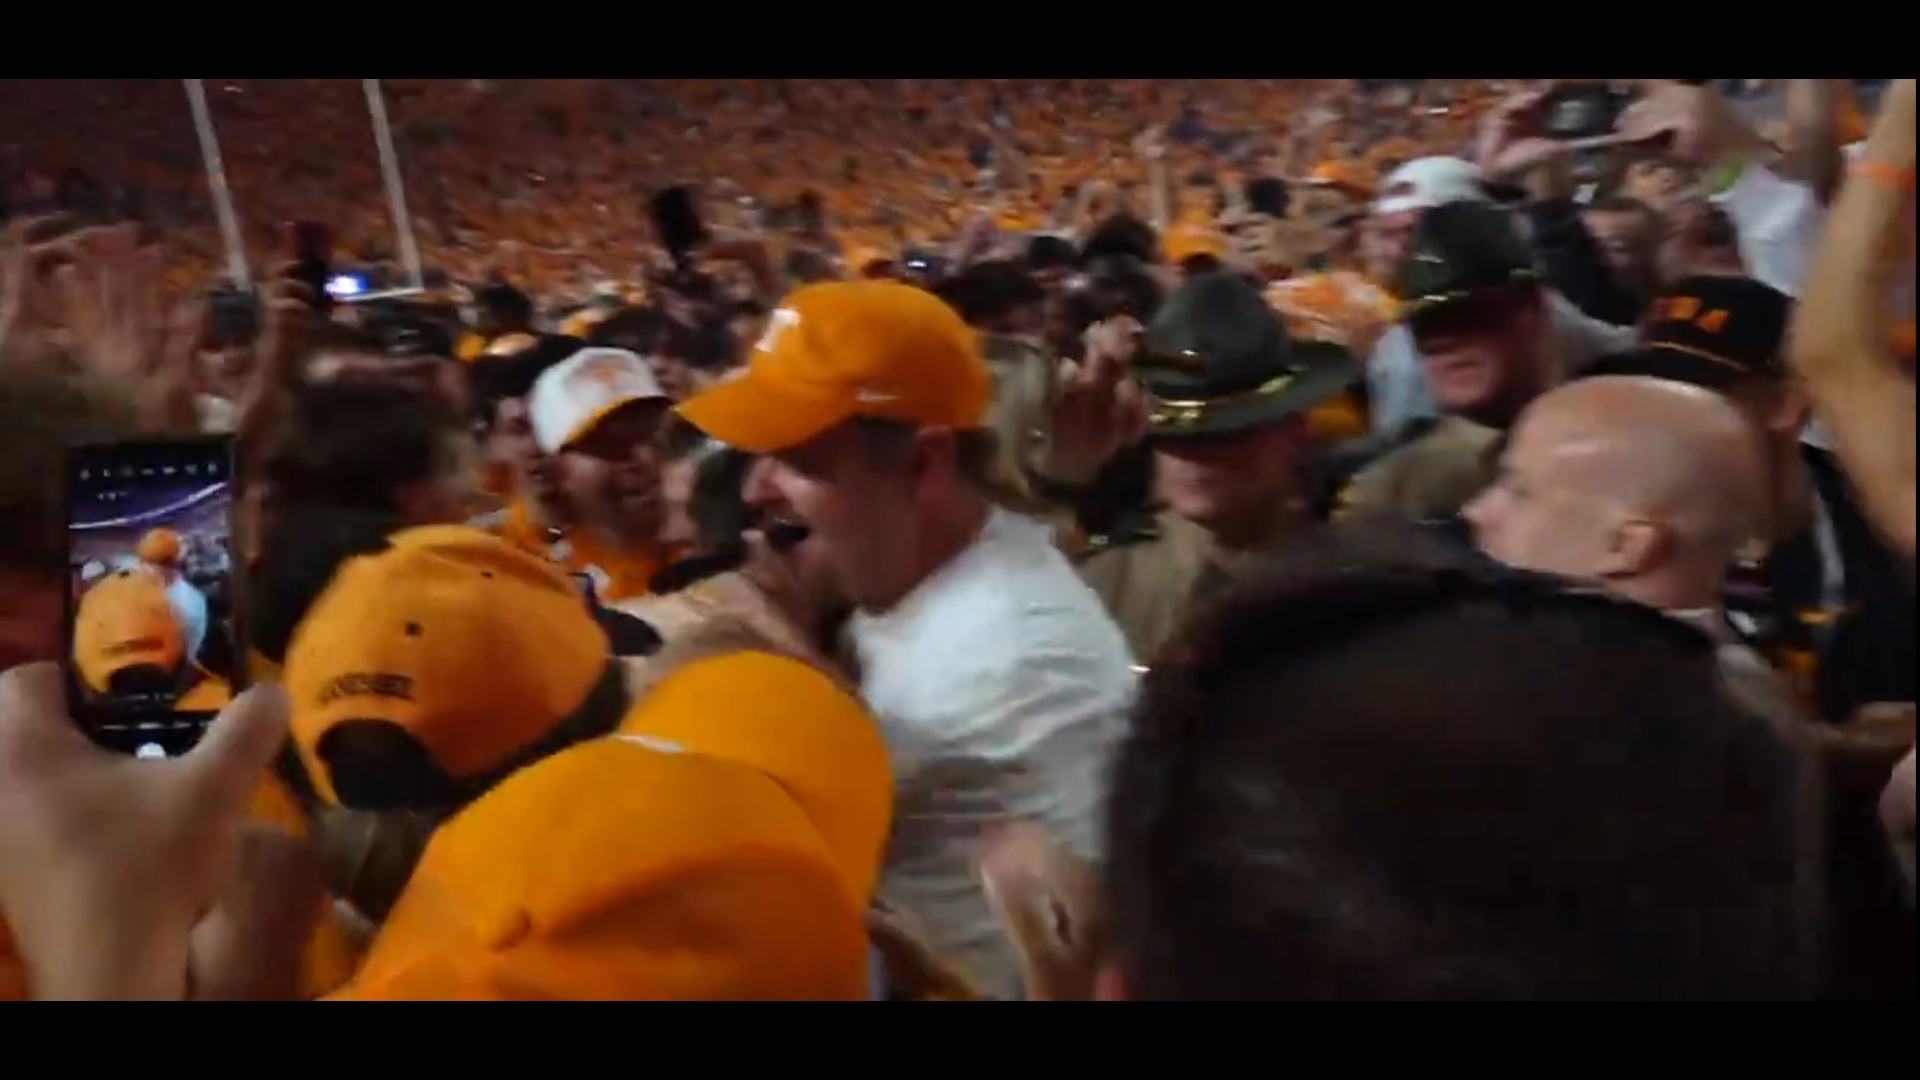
(546, 179)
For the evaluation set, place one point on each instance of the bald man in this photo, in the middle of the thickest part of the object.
(1649, 489)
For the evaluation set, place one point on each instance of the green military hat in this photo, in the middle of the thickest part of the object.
(1457, 251)
(1218, 361)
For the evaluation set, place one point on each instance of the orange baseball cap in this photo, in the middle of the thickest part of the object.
(794, 724)
(713, 870)
(864, 261)
(833, 352)
(125, 621)
(160, 547)
(469, 645)
(1183, 242)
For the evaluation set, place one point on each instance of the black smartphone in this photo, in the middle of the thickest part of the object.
(153, 646)
(309, 247)
(677, 221)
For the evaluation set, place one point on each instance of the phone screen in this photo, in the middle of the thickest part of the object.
(346, 286)
(152, 650)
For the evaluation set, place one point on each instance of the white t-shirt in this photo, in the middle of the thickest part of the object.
(1779, 222)
(1001, 685)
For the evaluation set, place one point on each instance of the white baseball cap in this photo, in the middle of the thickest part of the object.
(570, 398)
(1429, 182)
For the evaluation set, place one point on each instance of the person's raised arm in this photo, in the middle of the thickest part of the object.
(1813, 153)
(287, 334)
(1842, 343)
(1152, 148)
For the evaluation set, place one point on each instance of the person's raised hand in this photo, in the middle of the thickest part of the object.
(1689, 124)
(27, 249)
(108, 862)
(1098, 409)
(1512, 142)
(122, 328)
(1046, 899)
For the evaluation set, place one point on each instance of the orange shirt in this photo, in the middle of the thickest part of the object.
(616, 576)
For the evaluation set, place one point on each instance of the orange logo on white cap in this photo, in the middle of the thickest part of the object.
(573, 395)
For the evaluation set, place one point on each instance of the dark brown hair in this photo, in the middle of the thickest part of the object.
(1380, 769)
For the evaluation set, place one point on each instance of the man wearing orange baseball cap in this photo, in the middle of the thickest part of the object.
(719, 839)
(997, 677)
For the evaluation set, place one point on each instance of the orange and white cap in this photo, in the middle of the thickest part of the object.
(572, 397)
(1430, 182)
(834, 352)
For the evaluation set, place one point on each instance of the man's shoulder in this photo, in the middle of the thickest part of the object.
(1753, 686)
(1428, 469)
(1023, 656)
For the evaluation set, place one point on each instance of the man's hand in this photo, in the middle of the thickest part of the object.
(123, 330)
(15, 261)
(108, 862)
(1047, 902)
(1897, 813)
(1512, 142)
(1693, 124)
(1098, 409)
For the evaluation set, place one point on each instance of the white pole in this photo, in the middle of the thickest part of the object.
(396, 191)
(217, 184)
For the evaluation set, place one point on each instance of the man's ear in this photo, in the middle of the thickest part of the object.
(1109, 984)
(1634, 546)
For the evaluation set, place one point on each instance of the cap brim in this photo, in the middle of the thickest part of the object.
(1672, 365)
(588, 424)
(752, 414)
(1330, 370)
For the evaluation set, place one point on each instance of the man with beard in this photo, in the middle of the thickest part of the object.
(597, 421)
(543, 516)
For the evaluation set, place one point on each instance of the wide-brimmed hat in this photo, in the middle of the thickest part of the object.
(1219, 361)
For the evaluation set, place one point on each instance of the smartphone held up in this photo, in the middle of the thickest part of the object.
(152, 643)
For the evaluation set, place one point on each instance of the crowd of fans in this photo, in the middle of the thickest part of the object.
(547, 178)
(983, 539)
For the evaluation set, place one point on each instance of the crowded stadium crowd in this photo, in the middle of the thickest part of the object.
(963, 539)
